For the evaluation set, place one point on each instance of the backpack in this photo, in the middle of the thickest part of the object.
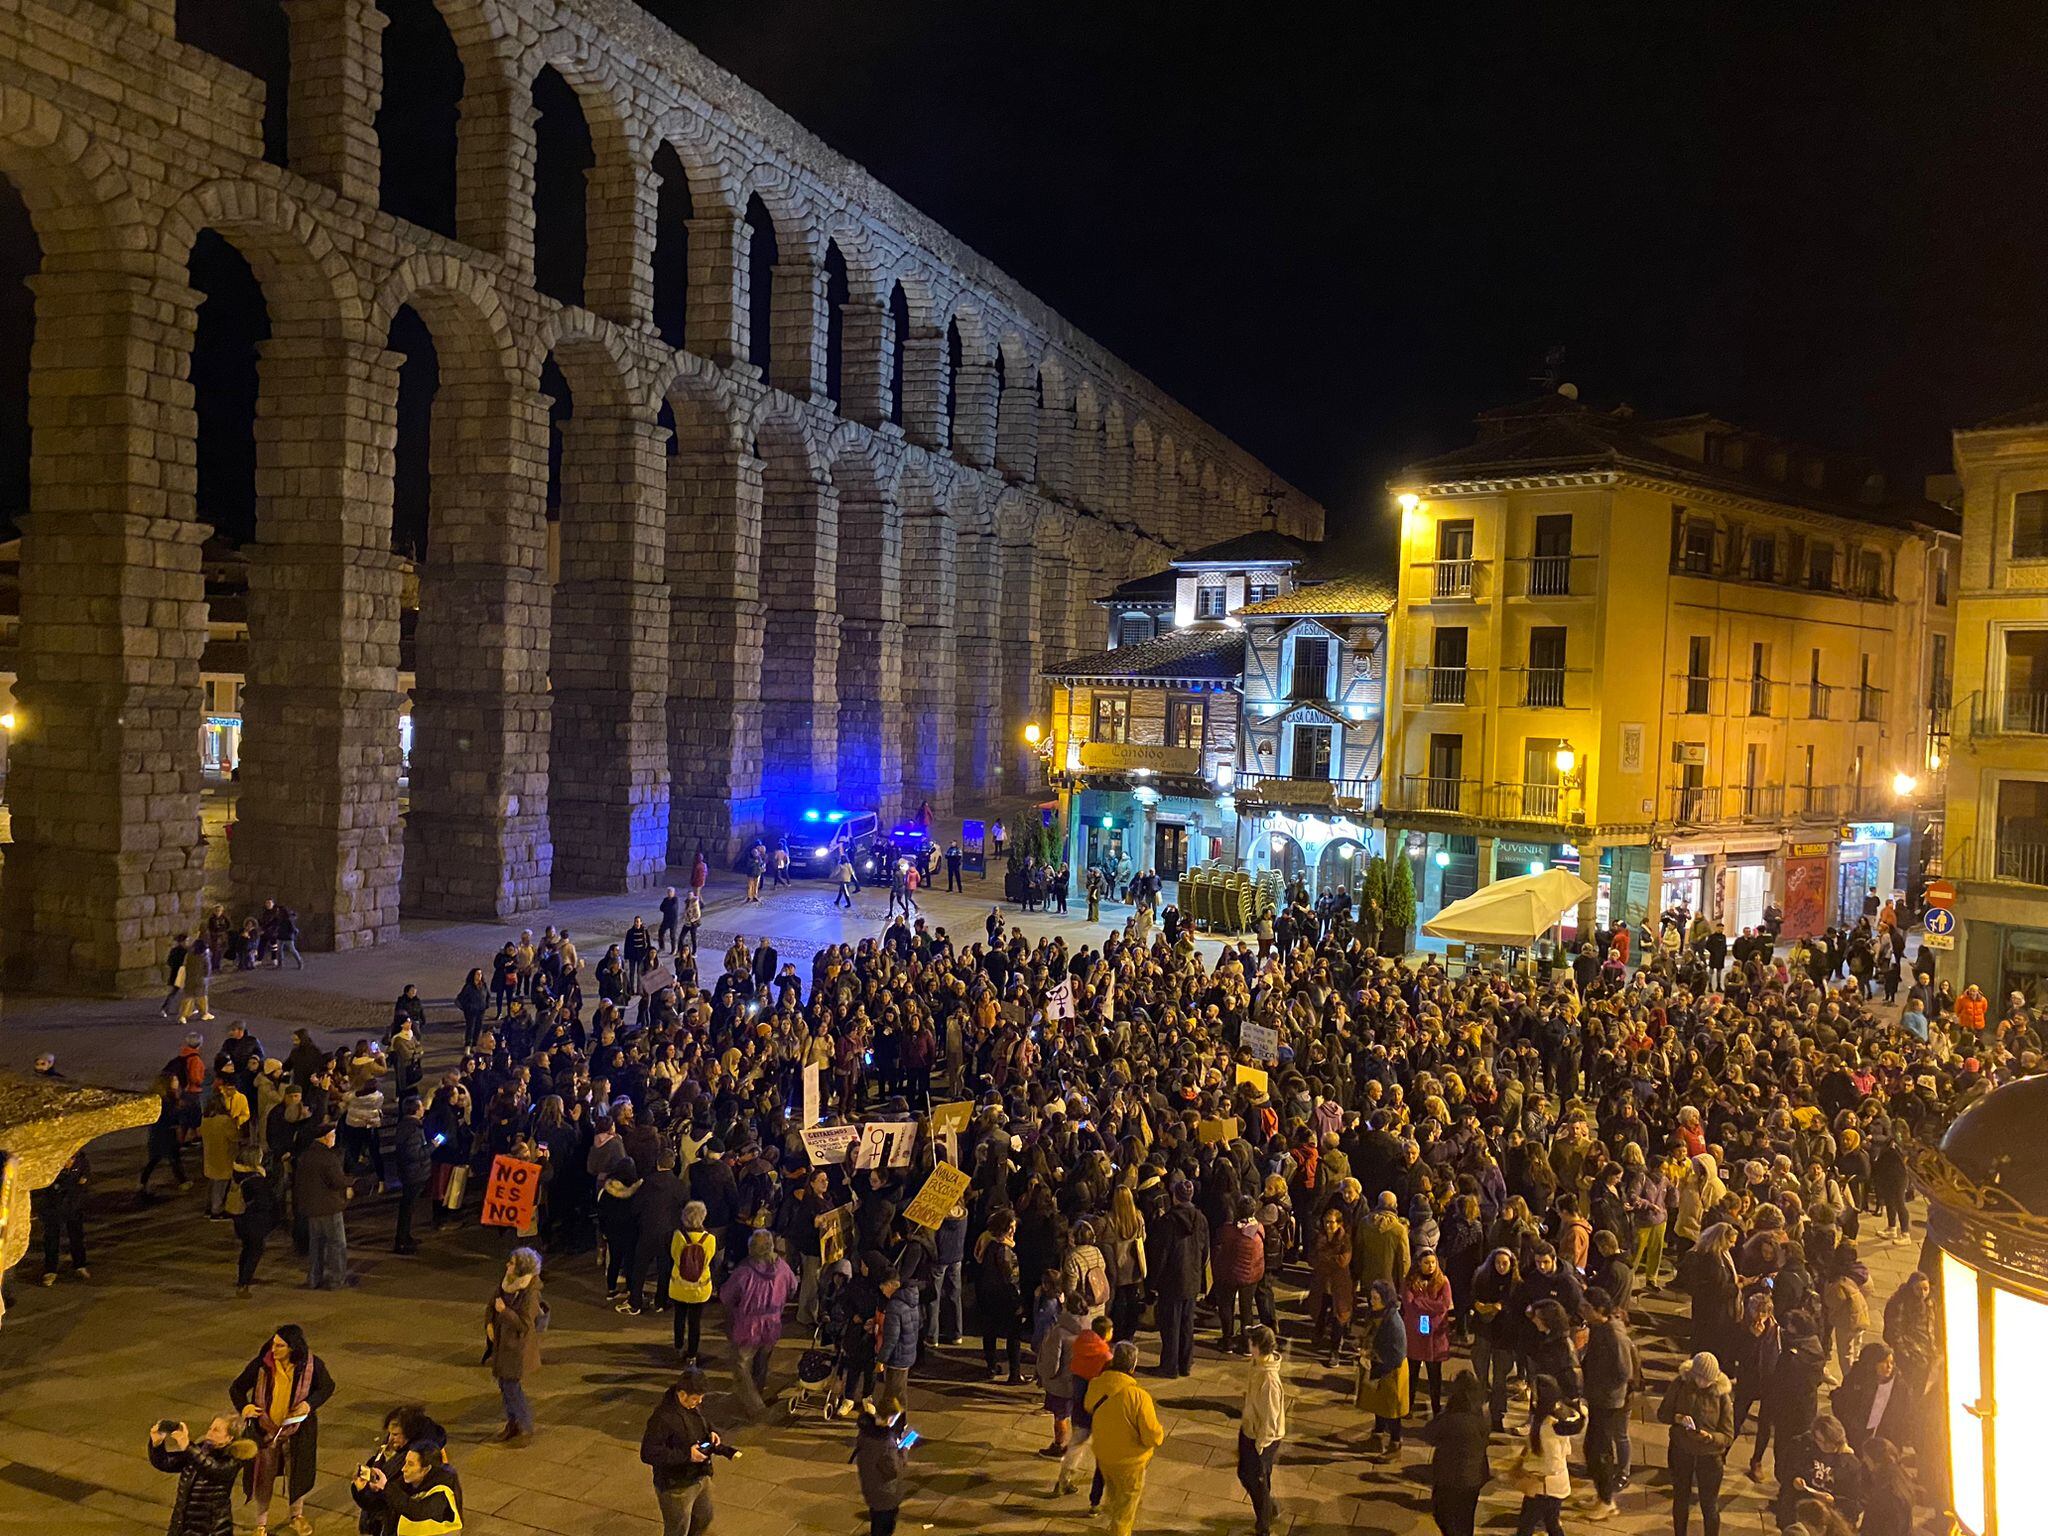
(1095, 1286)
(691, 1263)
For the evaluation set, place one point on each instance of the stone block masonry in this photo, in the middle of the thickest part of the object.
(841, 581)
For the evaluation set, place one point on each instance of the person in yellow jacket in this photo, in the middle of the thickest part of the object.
(1124, 1435)
(691, 1250)
(426, 1497)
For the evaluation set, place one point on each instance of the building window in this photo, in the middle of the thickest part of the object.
(1550, 566)
(1816, 690)
(1184, 722)
(2025, 700)
(1698, 550)
(1540, 791)
(1870, 573)
(1112, 718)
(1941, 578)
(1311, 752)
(1454, 558)
(1544, 682)
(2030, 525)
(1311, 672)
(1760, 678)
(1820, 567)
(1447, 666)
(1444, 785)
(1133, 629)
(1868, 697)
(1763, 557)
(1210, 602)
(2023, 831)
(1937, 670)
(1699, 674)
(1262, 590)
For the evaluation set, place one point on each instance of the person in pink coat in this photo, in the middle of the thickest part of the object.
(754, 1295)
(1426, 1304)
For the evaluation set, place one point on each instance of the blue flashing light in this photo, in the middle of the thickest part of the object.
(810, 815)
(835, 815)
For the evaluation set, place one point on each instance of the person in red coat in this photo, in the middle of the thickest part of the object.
(1426, 1305)
(1240, 1266)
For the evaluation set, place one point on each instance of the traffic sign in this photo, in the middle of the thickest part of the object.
(1940, 923)
(1941, 941)
(1940, 893)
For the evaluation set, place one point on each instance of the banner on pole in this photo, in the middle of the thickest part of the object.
(835, 1233)
(886, 1144)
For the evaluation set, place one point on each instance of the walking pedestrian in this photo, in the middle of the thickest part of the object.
(1545, 1475)
(1458, 1468)
(256, 1195)
(1125, 1432)
(754, 1295)
(513, 1323)
(879, 1457)
(1613, 1374)
(60, 1206)
(1182, 1239)
(1261, 1425)
(692, 1251)
(901, 1320)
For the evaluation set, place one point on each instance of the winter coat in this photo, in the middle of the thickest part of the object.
(1379, 1251)
(1713, 1414)
(754, 1295)
(1126, 1423)
(204, 1505)
(1421, 1300)
(1382, 1388)
(218, 1135)
(514, 1334)
(319, 1182)
(879, 1458)
(1055, 1354)
(900, 1322)
(1181, 1253)
(301, 1451)
(1241, 1255)
(1329, 1276)
(693, 1291)
(434, 1507)
(996, 1291)
(410, 1151)
(665, 1443)
(1459, 1460)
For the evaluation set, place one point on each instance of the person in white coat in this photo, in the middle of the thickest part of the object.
(1545, 1475)
(1262, 1425)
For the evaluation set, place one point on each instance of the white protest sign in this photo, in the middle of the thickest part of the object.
(826, 1145)
(1260, 1040)
(1059, 1002)
(886, 1144)
(812, 1112)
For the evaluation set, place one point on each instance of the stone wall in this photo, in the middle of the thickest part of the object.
(781, 593)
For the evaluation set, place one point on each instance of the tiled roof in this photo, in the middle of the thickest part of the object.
(1201, 652)
(1567, 437)
(1359, 593)
(1159, 587)
(1262, 546)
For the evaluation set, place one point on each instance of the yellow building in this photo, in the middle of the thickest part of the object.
(1998, 775)
(1700, 662)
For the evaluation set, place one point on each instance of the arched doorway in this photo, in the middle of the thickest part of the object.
(1341, 866)
(1284, 855)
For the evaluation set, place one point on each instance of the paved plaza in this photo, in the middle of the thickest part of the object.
(86, 1366)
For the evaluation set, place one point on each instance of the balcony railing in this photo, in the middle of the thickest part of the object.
(1553, 576)
(2009, 712)
(1454, 581)
(1546, 687)
(1709, 805)
(2017, 857)
(1697, 693)
(1869, 704)
(1427, 792)
(1816, 802)
(1528, 802)
(1444, 687)
(1280, 788)
(1820, 699)
(1760, 696)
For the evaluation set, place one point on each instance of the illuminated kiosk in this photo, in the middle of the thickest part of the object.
(1987, 1193)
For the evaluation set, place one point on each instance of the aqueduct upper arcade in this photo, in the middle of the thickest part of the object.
(826, 487)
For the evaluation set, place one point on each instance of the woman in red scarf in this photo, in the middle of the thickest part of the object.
(280, 1393)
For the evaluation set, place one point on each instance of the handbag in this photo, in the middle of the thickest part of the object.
(458, 1186)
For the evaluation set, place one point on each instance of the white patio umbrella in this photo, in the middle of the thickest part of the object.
(1511, 912)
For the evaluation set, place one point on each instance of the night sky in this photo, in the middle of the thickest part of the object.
(1338, 238)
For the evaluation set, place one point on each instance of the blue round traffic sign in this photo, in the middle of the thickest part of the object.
(1940, 921)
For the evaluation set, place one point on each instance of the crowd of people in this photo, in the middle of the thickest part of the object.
(1450, 1198)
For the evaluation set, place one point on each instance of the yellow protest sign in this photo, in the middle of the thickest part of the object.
(1256, 1076)
(951, 1118)
(1217, 1130)
(941, 1192)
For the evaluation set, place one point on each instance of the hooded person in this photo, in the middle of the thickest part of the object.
(754, 1295)
(1125, 1432)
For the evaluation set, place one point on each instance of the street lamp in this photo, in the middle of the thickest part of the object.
(1407, 501)
(1903, 784)
(1033, 733)
(1987, 1193)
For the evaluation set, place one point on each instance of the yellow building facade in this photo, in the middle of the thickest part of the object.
(1699, 666)
(1998, 773)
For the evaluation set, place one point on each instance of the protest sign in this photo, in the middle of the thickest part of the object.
(812, 1112)
(1217, 1130)
(951, 1119)
(1253, 1075)
(1260, 1041)
(886, 1144)
(512, 1193)
(941, 1192)
(835, 1233)
(1059, 1001)
(826, 1145)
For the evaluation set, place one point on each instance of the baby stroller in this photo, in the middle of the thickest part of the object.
(820, 1372)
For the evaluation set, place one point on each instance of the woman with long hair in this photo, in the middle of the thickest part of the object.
(1545, 1475)
(1331, 1289)
(513, 1321)
(1426, 1309)
(279, 1394)
(1123, 1241)
(1707, 1273)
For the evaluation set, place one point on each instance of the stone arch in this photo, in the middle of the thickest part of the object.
(930, 721)
(1087, 446)
(1142, 503)
(970, 387)
(715, 186)
(871, 632)
(1016, 447)
(616, 225)
(799, 590)
(1116, 460)
(73, 190)
(476, 834)
(305, 279)
(859, 326)
(1055, 409)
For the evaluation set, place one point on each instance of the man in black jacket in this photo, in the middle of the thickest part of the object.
(675, 1445)
(713, 1185)
(1182, 1251)
(1612, 1373)
(415, 1160)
